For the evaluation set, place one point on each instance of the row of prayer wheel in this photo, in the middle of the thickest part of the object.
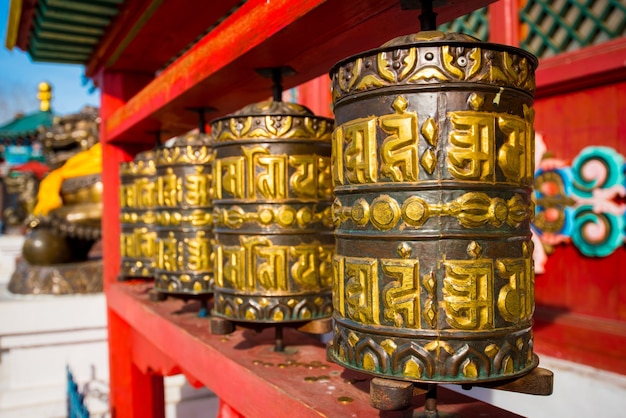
(413, 233)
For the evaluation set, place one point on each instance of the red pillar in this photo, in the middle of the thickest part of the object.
(504, 22)
(315, 94)
(133, 392)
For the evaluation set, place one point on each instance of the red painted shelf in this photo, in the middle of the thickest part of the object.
(245, 372)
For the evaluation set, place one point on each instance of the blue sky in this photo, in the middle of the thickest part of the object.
(19, 77)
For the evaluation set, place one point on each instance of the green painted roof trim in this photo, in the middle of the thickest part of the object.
(51, 24)
(73, 17)
(68, 30)
(44, 45)
(91, 7)
(26, 125)
(64, 55)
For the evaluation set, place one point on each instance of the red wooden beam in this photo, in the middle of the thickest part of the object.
(139, 27)
(308, 35)
(595, 65)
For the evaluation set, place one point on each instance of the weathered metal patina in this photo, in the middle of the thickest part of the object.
(273, 218)
(432, 171)
(184, 217)
(137, 216)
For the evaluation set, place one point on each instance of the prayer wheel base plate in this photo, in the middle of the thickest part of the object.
(204, 299)
(390, 395)
(223, 326)
(395, 395)
(155, 296)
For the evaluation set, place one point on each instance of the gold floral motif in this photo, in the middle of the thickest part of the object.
(431, 357)
(138, 168)
(189, 155)
(273, 127)
(447, 63)
(273, 309)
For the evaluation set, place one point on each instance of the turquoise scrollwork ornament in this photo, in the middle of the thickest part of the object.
(581, 202)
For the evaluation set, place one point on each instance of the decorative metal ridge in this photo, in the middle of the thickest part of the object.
(431, 60)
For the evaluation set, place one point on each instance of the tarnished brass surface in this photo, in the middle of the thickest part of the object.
(83, 189)
(69, 135)
(184, 237)
(57, 279)
(137, 216)
(273, 219)
(432, 169)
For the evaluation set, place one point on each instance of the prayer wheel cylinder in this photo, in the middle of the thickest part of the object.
(184, 264)
(433, 161)
(137, 218)
(273, 219)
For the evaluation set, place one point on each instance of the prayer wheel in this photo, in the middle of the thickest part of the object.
(273, 219)
(137, 218)
(432, 165)
(184, 217)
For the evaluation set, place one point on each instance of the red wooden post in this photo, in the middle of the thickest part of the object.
(504, 26)
(227, 411)
(315, 95)
(133, 393)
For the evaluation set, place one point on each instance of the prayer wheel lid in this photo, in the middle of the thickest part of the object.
(429, 36)
(142, 164)
(434, 38)
(271, 108)
(192, 138)
(147, 155)
(430, 58)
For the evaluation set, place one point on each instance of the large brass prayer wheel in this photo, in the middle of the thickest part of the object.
(137, 217)
(432, 171)
(184, 265)
(273, 219)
